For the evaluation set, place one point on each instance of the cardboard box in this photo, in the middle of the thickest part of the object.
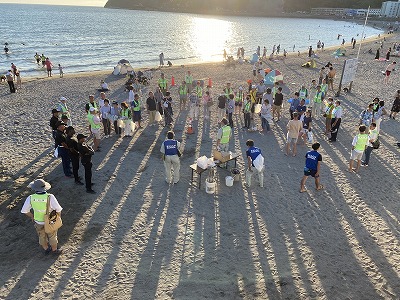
(221, 156)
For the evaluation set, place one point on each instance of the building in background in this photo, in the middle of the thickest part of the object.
(390, 9)
(349, 12)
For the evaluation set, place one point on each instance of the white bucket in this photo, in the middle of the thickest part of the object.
(229, 180)
(210, 187)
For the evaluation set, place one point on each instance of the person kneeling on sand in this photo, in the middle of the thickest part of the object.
(359, 145)
(312, 168)
(256, 160)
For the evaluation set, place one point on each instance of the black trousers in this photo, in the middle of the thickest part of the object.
(335, 129)
(230, 120)
(12, 87)
(116, 128)
(75, 166)
(88, 175)
(247, 116)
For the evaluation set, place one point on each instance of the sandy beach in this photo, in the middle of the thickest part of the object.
(140, 238)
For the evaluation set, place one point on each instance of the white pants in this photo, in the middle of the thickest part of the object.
(127, 128)
(316, 110)
(194, 111)
(172, 163)
(249, 175)
(221, 113)
(378, 124)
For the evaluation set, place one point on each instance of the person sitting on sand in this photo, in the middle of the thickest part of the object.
(312, 168)
(103, 86)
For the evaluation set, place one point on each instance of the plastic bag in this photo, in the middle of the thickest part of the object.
(257, 108)
(309, 137)
(56, 152)
(158, 117)
(202, 162)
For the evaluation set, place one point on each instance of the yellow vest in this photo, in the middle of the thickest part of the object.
(93, 125)
(162, 83)
(362, 140)
(39, 203)
(226, 133)
(189, 79)
(318, 97)
(199, 91)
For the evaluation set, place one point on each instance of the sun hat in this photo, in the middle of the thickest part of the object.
(39, 185)
(63, 99)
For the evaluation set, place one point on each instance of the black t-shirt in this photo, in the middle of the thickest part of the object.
(278, 99)
(61, 137)
(53, 122)
(221, 101)
(86, 153)
(151, 103)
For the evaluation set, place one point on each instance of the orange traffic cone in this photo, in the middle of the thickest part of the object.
(173, 81)
(209, 82)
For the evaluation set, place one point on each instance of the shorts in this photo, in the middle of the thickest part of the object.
(310, 172)
(137, 116)
(44, 237)
(238, 104)
(183, 98)
(388, 73)
(96, 134)
(276, 108)
(254, 72)
(291, 140)
(355, 155)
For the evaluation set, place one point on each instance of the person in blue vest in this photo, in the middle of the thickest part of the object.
(170, 150)
(37, 203)
(255, 160)
(312, 168)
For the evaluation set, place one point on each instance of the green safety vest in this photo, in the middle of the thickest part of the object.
(274, 90)
(136, 105)
(247, 106)
(93, 125)
(39, 204)
(329, 111)
(318, 97)
(162, 83)
(125, 112)
(183, 90)
(199, 91)
(303, 93)
(189, 79)
(324, 87)
(228, 92)
(226, 133)
(63, 107)
(362, 140)
(239, 97)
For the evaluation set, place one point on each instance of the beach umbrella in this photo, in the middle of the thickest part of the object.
(273, 76)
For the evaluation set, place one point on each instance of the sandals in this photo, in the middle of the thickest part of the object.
(320, 187)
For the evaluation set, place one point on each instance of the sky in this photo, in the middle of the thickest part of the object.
(59, 2)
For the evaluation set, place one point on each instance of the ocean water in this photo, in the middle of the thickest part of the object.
(93, 38)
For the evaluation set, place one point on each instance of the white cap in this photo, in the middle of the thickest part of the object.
(63, 99)
(92, 109)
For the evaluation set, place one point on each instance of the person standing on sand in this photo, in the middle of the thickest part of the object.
(115, 114)
(336, 120)
(61, 143)
(189, 82)
(329, 106)
(389, 70)
(312, 168)
(247, 113)
(170, 150)
(183, 94)
(10, 81)
(105, 112)
(151, 106)
(168, 113)
(194, 104)
(53, 123)
(19, 81)
(163, 84)
(223, 136)
(72, 144)
(372, 137)
(294, 128)
(86, 153)
(38, 203)
(136, 108)
(317, 106)
(49, 65)
(278, 101)
(294, 104)
(62, 107)
(161, 56)
(359, 145)
(396, 106)
(95, 125)
(331, 77)
(60, 68)
(378, 115)
(254, 159)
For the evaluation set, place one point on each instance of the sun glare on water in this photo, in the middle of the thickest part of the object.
(209, 37)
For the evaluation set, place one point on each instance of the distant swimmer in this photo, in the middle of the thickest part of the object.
(6, 49)
(37, 58)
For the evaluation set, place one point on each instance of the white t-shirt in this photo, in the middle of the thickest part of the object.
(54, 205)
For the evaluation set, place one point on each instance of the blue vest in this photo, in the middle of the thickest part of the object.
(171, 147)
(312, 160)
(253, 152)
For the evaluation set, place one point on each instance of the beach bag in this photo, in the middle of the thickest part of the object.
(52, 220)
(376, 144)
(158, 117)
(56, 152)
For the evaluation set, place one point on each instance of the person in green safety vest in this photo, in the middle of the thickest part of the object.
(359, 145)
(43, 58)
(303, 92)
(247, 113)
(163, 84)
(239, 100)
(324, 86)
(62, 107)
(317, 106)
(228, 90)
(183, 94)
(199, 90)
(136, 108)
(37, 203)
(224, 136)
(189, 81)
(126, 117)
(95, 125)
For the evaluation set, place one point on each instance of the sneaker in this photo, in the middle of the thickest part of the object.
(90, 191)
(79, 182)
(47, 251)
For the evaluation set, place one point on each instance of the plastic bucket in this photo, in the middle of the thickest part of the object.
(235, 173)
(210, 187)
(229, 180)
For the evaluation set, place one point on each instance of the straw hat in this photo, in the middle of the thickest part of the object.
(39, 185)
